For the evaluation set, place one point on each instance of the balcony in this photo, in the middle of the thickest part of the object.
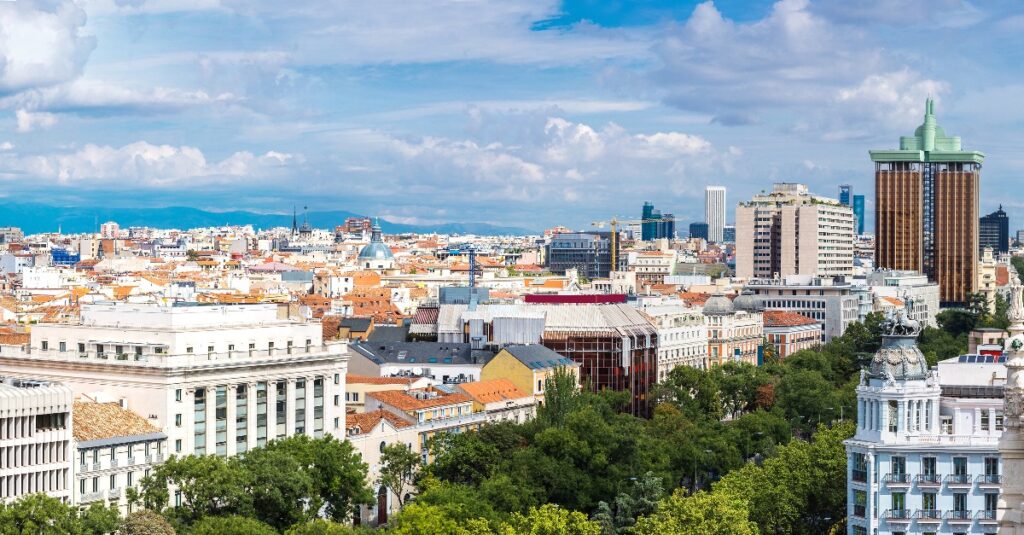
(959, 480)
(928, 480)
(860, 476)
(92, 496)
(990, 480)
(959, 517)
(131, 461)
(114, 494)
(929, 516)
(896, 480)
(82, 468)
(897, 515)
(986, 517)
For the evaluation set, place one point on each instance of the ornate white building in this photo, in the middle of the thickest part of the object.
(924, 457)
(1011, 444)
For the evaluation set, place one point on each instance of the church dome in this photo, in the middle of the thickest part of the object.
(747, 302)
(719, 305)
(899, 357)
(375, 250)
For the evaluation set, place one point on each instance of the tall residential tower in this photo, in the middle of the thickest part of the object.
(926, 213)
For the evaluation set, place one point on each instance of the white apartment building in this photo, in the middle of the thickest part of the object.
(682, 336)
(735, 330)
(907, 286)
(715, 213)
(792, 232)
(114, 450)
(217, 379)
(836, 304)
(35, 438)
(652, 267)
(924, 458)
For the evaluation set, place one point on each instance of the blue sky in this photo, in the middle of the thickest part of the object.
(530, 113)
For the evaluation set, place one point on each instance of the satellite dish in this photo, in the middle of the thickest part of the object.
(417, 371)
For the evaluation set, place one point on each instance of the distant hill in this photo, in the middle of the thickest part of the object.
(34, 218)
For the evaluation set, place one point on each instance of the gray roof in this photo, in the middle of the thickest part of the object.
(358, 325)
(388, 334)
(537, 356)
(422, 353)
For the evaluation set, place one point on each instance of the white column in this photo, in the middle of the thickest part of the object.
(289, 415)
(187, 433)
(250, 410)
(309, 405)
(229, 422)
(271, 410)
(211, 420)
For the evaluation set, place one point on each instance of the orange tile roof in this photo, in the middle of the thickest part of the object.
(784, 318)
(368, 420)
(14, 338)
(407, 401)
(1002, 276)
(893, 301)
(96, 421)
(493, 390)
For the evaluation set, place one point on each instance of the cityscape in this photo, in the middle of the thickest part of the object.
(523, 268)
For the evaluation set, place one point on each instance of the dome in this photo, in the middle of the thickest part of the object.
(747, 302)
(719, 305)
(375, 250)
(899, 357)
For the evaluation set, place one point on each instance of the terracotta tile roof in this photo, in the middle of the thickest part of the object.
(493, 390)
(694, 298)
(96, 421)
(368, 420)
(14, 338)
(368, 380)
(783, 318)
(407, 401)
(896, 302)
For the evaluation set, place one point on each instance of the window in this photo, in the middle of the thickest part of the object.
(231, 347)
(188, 349)
(131, 479)
(63, 346)
(960, 466)
(984, 420)
(898, 465)
(959, 501)
(113, 481)
(991, 502)
(999, 421)
(44, 345)
(899, 502)
(928, 466)
(95, 484)
(177, 420)
(177, 446)
(860, 467)
(81, 486)
(177, 395)
(860, 502)
(382, 445)
(928, 501)
(337, 378)
(894, 416)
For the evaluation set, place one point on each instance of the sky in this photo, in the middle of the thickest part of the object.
(525, 113)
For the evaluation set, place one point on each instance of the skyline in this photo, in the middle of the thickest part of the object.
(552, 113)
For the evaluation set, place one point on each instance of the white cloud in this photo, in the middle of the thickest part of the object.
(41, 43)
(557, 160)
(6, 146)
(793, 58)
(28, 121)
(89, 94)
(147, 165)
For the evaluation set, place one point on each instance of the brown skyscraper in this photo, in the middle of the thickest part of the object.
(926, 210)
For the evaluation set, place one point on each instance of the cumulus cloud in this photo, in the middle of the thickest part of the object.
(88, 94)
(792, 58)
(558, 160)
(42, 43)
(28, 121)
(147, 165)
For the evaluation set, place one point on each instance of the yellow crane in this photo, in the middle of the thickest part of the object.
(614, 223)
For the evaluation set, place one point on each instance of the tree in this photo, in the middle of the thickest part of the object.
(209, 486)
(621, 515)
(695, 392)
(98, 518)
(280, 488)
(145, 522)
(336, 470)
(956, 321)
(321, 526)
(38, 514)
(417, 519)
(561, 397)
(704, 512)
(771, 353)
(230, 525)
(550, 519)
(399, 468)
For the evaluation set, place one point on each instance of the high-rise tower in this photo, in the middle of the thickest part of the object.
(926, 208)
(714, 212)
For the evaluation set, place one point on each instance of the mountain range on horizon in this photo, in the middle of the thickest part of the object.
(35, 218)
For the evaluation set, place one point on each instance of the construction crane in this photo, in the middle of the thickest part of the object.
(614, 224)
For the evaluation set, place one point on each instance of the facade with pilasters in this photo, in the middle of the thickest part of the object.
(217, 379)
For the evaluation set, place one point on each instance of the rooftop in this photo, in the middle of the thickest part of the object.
(364, 422)
(419, 400)
(537, 356)
(422, 353)
(782, 318)
(493, 390)
(99, 421)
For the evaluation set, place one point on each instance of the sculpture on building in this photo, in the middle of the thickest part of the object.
(1011, 443)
